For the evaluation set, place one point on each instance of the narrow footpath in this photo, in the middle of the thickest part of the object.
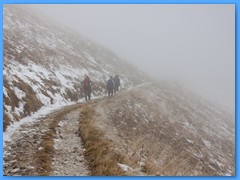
(48, 146)
(68, 159)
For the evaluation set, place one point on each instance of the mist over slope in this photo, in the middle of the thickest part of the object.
(158, 126)
(170, 131)
(44, 64)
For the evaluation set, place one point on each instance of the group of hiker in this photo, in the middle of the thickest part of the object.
(112, 86)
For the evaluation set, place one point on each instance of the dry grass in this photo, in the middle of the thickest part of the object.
(99, 150)
(6, 121)
(44, 157)
(12, 100)
(154, 142)
(145, 152)
(32, 102)
(72, 95)
(145, 143)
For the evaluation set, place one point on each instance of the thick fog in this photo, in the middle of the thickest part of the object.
(193, 45)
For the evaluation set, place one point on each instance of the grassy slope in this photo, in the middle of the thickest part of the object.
(151, 138)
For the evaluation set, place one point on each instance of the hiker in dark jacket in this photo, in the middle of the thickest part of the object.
(110, 87)
(87, 87)
(117, 83)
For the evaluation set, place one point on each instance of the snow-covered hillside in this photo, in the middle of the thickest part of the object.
(44, 64)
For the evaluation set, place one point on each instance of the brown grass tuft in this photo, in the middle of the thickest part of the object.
(6, 121)
(32, 101)
(44, 157)
(99, 151)
(12, 100)
(72, 95)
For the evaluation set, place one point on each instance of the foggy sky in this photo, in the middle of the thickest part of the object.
(190, 44)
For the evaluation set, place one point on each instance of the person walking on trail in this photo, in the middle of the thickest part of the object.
(87, 87)
(117, 83)
(110, 87)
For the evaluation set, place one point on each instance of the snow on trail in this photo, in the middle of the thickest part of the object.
(16, 126)
(68, 158)
(20, 153)
(22, 139)
(42, 112)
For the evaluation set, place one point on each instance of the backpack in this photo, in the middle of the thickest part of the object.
(86, 82)
(116, 81)
(110, 83)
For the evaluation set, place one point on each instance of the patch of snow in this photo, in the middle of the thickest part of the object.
(44, 99)
(5, 92)
(207, 143)
(124, 167)
(215, 161)
(190, 141)
(19, 110)
(90, 58)
(19, 93)
(32, 118)
(8, 111)
(189, 126)
(199, 155)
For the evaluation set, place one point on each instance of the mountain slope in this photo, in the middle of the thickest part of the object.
(147, 129)
(44, 64)
(167, 131)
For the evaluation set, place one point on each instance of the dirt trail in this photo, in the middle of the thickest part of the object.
(68, 158)
(21, 155)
